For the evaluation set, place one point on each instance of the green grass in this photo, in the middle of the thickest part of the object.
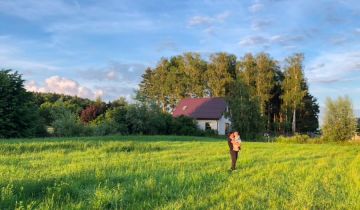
(167, 172)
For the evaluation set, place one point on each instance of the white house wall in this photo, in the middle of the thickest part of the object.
(222, 123)
(217, 125)
(213, 124)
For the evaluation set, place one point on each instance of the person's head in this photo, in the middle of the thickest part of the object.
(231, 135)
(236, 134)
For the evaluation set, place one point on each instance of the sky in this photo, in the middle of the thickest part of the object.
(95, 48)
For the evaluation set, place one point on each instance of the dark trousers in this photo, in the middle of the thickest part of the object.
(234, 157)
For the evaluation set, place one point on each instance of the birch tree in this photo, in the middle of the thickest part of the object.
(293, 93)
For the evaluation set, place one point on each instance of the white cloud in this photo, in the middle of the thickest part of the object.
(100, 26)
(112, 92)
(333, 67)
(257, 7)
(199, 20)
(283, 40)
(253, 40)
(62, 85)
(259, 24)
(286, 39)
(11, 56)
(338, 40)
(167, 45)
(223, 16)
(112, 75)
(115, 72)
(34, 9)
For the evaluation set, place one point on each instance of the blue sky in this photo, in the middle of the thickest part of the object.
(100, 48)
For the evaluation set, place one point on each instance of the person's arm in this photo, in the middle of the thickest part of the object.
(230, 144)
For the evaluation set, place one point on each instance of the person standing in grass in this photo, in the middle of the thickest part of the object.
(234, 143)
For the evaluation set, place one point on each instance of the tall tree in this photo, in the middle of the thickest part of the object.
(244, 110)
(19, 116)
(221, 73)
(274, 107)
(195, 68)
(265, 79)
(259, 73)
(247, 71)
(307, 114)
(292, 85)
(146, 87)
(177, 81)
(160, 81)
(339, 122)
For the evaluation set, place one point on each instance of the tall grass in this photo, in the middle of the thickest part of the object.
(171, 172)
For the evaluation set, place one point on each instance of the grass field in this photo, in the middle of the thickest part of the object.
(167, 172)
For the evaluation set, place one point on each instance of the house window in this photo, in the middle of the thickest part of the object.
(207, 126)
(227, 128)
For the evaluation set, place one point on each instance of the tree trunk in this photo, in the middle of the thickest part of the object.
(294, 122)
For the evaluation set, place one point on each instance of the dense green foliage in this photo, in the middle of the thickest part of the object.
(123, 118)
(67, 123)
(339, 120)
(171, 172)
(307, 115)
(298, 139)
(244, 111)
(282, 96)
(19, 116)
(293, 91)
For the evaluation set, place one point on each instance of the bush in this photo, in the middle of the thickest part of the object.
(339, 121)
(104, 128)
(298, 139)
(185, 126)
(112, 122)
(91, 113)
(68, 124)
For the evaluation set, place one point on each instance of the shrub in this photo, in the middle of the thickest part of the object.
(104, 128)
(91, 113)
(67, 124)
(185, 126)
(298, 139)
(339, 121)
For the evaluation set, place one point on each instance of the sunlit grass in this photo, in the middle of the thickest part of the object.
(169, 172)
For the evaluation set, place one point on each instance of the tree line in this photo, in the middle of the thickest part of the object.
(29, 114)
(263, 96)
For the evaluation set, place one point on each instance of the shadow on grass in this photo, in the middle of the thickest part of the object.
(113, 190)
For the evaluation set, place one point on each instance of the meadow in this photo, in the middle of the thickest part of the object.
(170, 172)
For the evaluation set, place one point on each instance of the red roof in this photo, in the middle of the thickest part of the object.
(201, 108)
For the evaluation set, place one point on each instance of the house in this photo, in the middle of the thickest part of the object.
(208, 112)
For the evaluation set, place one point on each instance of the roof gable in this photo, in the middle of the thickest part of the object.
(201, 108)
